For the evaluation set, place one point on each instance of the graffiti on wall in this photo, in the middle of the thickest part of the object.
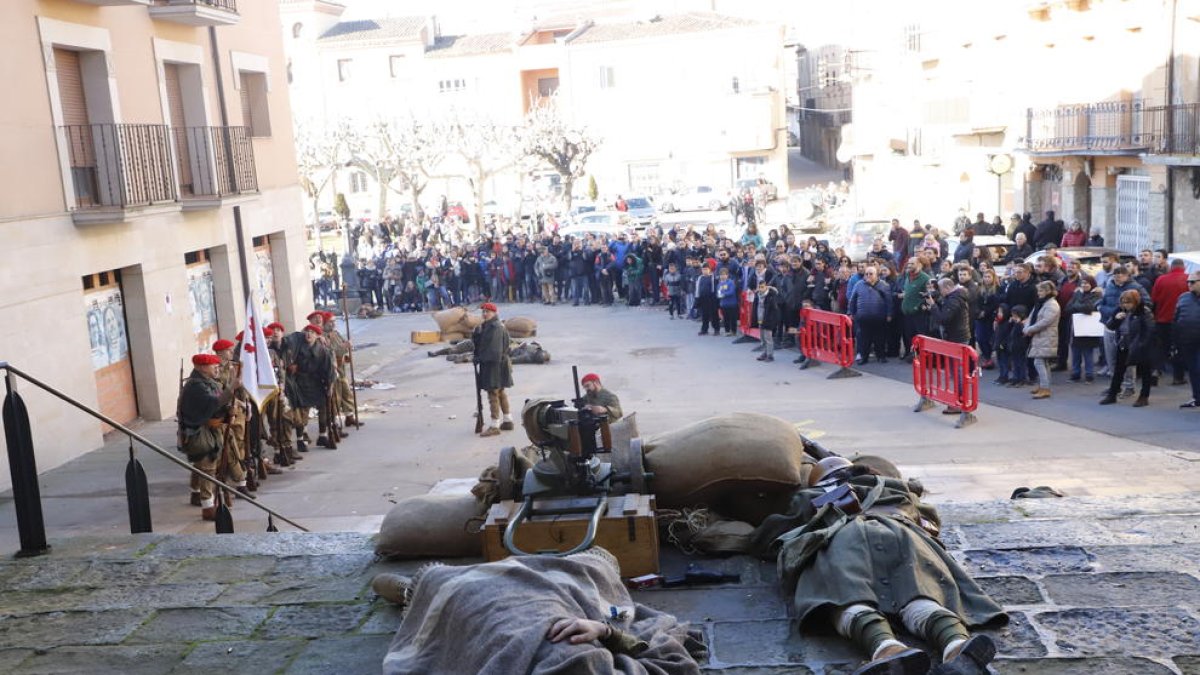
(264, 284)
(201, 299)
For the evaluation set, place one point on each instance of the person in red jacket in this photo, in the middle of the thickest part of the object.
(1164, 295)
(1075, 235)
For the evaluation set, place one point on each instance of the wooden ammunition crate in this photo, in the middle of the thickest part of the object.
(627, 530)
(426, 337)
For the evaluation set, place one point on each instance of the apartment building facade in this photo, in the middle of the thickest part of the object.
(679, 98)
(1083, 107)
(134, 129)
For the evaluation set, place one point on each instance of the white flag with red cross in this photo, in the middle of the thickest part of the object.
(258, 375)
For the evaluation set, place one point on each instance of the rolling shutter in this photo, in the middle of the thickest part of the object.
(177, 121)
(70, 87)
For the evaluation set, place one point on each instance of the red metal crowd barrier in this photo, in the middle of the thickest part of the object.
(744, 308)
(948, 373)
(828, 337)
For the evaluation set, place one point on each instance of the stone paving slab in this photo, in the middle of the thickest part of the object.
(223, 570)
(1041, 560)
(352, 654)
(313, 621)
(240, 656)
(53, 629)
(113, 597)
(1112, 632)
(1188, 665)
(199, 624)
(279, 544)
(696, 605)
(1099, 666)
(127, 660)
(1011, 590)
(1123, 589)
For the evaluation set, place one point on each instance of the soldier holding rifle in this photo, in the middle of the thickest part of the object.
(236, 420)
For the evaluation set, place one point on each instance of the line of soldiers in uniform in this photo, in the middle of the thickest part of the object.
(222, 432)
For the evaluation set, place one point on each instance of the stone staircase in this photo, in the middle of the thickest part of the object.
(1094, 586)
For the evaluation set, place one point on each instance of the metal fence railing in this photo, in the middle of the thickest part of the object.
(214, 161)
(120, 164)
(1115, 126)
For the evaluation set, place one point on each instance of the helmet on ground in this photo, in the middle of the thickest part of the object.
(825, 468)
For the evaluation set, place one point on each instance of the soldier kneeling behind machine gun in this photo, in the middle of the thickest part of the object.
(568, 441)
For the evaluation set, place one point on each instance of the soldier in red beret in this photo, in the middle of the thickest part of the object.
(599, 399)
(203, 403)
(236, 419)
(311, 372)
(491, 342)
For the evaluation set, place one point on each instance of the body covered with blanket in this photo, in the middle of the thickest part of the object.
(494, 617)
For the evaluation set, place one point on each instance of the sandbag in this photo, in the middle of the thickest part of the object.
(429, 526)
(744, 465)
(723, 536)
(448, 319)
(453, 337)
(623, 430)
(521, 327)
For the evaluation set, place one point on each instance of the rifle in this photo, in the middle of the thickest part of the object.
(350, 357)
(281, 457)
(179, 411)
(478, 400)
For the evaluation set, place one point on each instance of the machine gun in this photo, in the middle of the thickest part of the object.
(569, 440)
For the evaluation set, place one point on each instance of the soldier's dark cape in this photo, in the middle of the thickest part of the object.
(314, 372)
(882, 557)
(492, 346)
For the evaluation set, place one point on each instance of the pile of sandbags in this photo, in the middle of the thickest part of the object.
(456, 323)
(521, 327)
(432, 526)
(744, 465)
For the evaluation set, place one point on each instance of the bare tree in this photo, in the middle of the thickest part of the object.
(399, 154)
(488, 148)
(558, 142)
(318, 155)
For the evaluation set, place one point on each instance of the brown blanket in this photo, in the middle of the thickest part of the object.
(493, 618)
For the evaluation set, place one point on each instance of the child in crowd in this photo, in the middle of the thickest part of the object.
(727, 299)
(706, 300)
(422, 282)
(410, 298)
(1004, 329)
(1018, 348)
(673, 280)
(802, 359)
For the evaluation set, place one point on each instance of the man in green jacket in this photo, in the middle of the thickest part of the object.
(599, 399)
(912, 304)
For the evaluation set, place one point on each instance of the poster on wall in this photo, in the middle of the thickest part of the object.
(106, 327)
(202, 301)
(264, 283)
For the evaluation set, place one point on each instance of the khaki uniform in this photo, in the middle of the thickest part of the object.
(202, 407)
(239, 417)
(278, 418)
(339, 347)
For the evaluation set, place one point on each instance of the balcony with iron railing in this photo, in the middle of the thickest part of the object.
(196, 12)
(1114, 128)
(213, 163)
(117, 169)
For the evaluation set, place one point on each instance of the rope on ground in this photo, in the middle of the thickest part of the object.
(683, 525)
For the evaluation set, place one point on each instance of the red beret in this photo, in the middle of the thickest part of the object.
(327, 316)
(276, 326)
(315, 328)
(590, 377)
(222, 345)
(489, 307)
(317, 313)
(206, 360)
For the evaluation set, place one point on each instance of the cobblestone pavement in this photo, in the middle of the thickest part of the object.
(1093, 586)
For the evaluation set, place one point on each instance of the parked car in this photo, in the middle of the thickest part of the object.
(859, 235)
(752, 184)
(998, 244)
(599, 222)
(698, 198)
(1088, 257)
(641, 210)
(1191, 259)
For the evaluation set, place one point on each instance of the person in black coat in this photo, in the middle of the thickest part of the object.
(952, 312)
(1021, 289)
(1134, 325)
(1025, 227)
(311, 377)
(1049, 231)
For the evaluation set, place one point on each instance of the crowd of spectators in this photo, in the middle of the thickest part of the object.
(1017, 315)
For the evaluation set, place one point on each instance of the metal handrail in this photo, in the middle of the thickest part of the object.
(14, 371)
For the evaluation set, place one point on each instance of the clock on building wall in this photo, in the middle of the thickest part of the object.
(1000, 164)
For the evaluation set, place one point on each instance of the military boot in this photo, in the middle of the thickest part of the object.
(970, 658)
(897, 660)
(196, 499)
(392, 587)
